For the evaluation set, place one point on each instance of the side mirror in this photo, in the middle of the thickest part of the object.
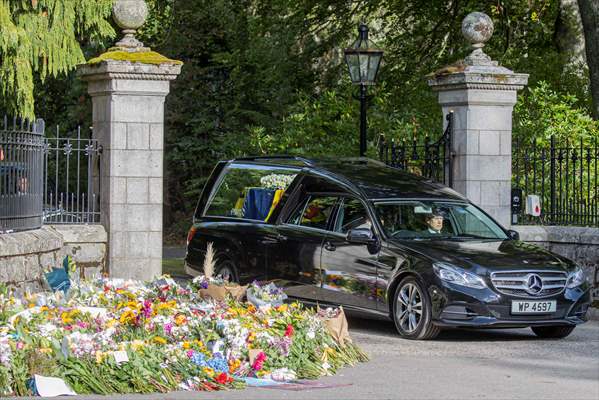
(513, 235)
(361, 236)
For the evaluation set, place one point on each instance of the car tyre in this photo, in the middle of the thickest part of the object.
(225, 268)
(552, 332)
(412, 311)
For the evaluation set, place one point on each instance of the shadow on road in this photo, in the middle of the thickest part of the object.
(387, 328)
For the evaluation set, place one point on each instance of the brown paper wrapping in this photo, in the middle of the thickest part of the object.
(219, 293)
(338, 327)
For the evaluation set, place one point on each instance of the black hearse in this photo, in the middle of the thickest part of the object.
(380, 241)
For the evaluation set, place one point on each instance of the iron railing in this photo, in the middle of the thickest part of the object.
(432, 160)
(565, 178)
(21, 174)
(71, 179)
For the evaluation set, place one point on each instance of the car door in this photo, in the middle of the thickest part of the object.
(294, 262)
(349, 270)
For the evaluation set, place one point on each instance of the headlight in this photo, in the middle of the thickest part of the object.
(575, 278)
(458, 276)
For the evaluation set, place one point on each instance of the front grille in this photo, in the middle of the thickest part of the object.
(515, 283)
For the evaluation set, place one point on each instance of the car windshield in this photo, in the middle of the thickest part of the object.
(436, 220)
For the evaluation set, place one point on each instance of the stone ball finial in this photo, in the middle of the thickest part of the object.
(477, 28)
(130, 15)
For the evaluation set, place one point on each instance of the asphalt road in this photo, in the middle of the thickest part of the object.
(499, 364)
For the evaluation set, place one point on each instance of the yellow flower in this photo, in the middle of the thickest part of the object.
(44, 308)
(45, 350)
(282, 308)
(137, 344)
(100, 356)
(66, 318)
(186, 345)
(127, 317)
(209, 371)
(110, 323)
(534, 16)
(159, 340)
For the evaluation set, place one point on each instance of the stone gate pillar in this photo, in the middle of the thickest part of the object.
(128, 86)
(482, 95)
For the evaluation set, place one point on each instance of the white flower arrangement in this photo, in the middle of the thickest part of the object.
(276, 181)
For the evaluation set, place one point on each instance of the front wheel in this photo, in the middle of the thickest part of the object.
(552, 332)
(412, 311)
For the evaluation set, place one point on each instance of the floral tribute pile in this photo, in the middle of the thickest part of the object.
(114, 336)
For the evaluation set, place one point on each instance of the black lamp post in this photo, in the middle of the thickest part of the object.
(363, 61)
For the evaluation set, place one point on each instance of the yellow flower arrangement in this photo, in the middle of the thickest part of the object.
(159, 340)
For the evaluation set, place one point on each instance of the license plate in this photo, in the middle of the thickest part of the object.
(534, 307)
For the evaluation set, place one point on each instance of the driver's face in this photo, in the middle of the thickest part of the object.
(435, 223)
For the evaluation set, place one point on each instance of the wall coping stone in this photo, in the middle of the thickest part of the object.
(558, 234)
(82, 233)
(43, 240)
(114, 69)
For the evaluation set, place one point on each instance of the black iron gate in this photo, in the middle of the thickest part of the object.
(432, 160)
(563, 176)
(21, 174)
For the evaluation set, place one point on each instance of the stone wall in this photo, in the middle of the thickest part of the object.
(25, 256)
(579, 244)
(88, 245)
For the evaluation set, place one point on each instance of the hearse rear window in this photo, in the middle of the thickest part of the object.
(249, 191)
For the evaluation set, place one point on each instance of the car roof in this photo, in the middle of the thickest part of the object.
(374, 179)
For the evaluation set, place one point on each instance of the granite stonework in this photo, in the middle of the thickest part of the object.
(481, 94)
(25, 256)
(87, 245)
(580, 244)
(482, 104)
(128, 118)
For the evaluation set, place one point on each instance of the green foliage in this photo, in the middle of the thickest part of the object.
(328, 125)
(39, 38)
(541, 112)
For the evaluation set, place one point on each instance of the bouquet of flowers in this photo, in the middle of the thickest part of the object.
(111, 336)
(215, 288)
(336, 323)
(276, 181)
(265, 295)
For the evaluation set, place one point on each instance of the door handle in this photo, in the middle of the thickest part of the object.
(330, 246)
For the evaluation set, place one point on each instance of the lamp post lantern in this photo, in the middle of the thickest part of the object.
(363, 61)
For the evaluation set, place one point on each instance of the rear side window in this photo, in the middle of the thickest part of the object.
(314, 212)
(249, 191)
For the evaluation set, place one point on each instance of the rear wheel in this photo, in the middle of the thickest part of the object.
(412, 311)
(225, 268)
(552, 332)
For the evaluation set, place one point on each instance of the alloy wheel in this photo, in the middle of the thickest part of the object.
(409, 308)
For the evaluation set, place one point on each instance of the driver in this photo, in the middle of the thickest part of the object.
(434, 222)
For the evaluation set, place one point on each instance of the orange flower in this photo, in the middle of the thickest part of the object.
(180, 319)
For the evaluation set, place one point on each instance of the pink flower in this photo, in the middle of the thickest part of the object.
(147, 310)
(20, 345)
(168, 328)
(259, 361)
(289, 330)
(189, 353)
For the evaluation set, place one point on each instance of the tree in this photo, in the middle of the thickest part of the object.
(589, 11)
(41, 38)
